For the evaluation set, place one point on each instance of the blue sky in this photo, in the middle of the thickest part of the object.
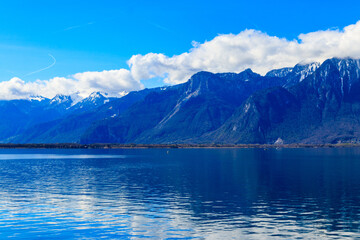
(102, 35)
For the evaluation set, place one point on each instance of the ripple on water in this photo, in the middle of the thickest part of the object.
(206, 194)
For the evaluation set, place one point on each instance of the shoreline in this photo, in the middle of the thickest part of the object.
(168, 146)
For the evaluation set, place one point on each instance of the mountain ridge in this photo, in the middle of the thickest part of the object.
(309, 103)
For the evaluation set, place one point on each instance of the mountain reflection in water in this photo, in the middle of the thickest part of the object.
(180, 193)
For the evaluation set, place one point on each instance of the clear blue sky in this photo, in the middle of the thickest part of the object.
(102, 35)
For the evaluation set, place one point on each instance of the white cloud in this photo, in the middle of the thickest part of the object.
(114, 82)
(248, 49)
(225, 53)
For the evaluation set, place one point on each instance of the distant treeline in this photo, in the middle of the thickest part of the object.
(129, 146)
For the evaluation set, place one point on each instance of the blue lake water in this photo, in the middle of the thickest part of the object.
(180, 194)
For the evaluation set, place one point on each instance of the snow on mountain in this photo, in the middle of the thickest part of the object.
(37, 98)
(300, 71)
(307, 103)
(95, 96)
(307, 69)
(94, 100)
(71, 100)
(283, 72)
(348, 67)
(75, 101)
(75, 97)
(60, 98)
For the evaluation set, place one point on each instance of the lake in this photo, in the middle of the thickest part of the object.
(180, 193)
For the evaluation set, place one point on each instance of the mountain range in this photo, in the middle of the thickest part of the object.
(309, 103)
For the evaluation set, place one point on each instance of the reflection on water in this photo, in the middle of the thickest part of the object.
(57, 156)
(183, 193)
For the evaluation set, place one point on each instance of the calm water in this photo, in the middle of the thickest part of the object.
(180, 194)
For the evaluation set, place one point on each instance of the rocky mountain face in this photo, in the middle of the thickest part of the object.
(184, 112)
(323, 108)
(309, 103)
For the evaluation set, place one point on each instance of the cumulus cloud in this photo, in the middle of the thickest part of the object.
(114, 82)
(248, 49)
(225, 53)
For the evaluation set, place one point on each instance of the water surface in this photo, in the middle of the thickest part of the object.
(180, 194)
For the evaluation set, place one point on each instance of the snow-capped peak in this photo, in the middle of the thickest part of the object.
(37, 98)
(94, 98)
(75, 97)
(60, 98)
(96, 95)
(305, 70)
(283, 72)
